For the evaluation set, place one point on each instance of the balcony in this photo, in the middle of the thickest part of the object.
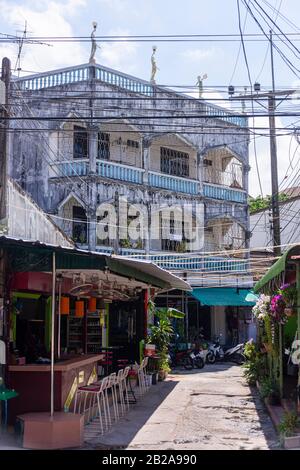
(173, 183)
(214, 191)
(120, 172)
(186, 262)
(200, 263)
(129, 174)
(70, 168)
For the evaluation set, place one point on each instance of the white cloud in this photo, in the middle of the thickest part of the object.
(46, 18)
(119, 55)
(198, 54)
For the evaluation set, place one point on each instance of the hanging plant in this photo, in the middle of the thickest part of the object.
(277, 308)
(261, 309)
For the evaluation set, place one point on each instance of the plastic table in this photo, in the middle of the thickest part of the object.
(5, 395)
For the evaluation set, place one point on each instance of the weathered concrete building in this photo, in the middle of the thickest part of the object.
(88, 135)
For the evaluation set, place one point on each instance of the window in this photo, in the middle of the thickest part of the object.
(79, 234)
(174, 162)
(80, 147)
(103, 146)
(134, 144)
(207, 162)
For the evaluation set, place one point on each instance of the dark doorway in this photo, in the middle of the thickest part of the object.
(126, 328)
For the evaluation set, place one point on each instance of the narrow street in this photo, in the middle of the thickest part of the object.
(208, 409)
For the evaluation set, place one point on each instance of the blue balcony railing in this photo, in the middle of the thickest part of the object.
(120, 172)
(214, 191)
(173, 183)
(71, 168)
(175, 262)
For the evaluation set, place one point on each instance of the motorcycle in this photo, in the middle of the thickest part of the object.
(217, 353)
(193, 359)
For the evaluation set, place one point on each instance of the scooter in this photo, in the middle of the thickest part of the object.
(235, 354)
(193, 359)
(217, 353)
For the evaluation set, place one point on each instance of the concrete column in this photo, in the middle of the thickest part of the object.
(92, 237)
(146, 160)
(200, 171)
(246, 170)
(93, 148)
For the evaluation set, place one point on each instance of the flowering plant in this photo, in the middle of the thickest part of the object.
(289, 294)
(261, 309)
(277, 309)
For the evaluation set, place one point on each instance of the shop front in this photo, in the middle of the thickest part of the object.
(51, 347)
(278, 318)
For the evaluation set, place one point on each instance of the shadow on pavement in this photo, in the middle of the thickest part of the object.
(123, 432)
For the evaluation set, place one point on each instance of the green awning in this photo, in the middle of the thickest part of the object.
(276, 269)
(24, 256)
(222, 296)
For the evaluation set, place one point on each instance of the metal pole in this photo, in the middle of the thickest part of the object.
(298, 326)
(273, 152)
(59, 318)
(5, 77)
(52, 333)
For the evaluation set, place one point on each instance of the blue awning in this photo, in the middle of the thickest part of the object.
(223, 296)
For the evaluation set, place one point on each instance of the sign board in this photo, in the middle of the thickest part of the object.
(2, 92)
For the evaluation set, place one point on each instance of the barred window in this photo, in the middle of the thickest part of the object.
(80, 142)
(174, 162)
(103, 146)
(133, 144)
(79, 230)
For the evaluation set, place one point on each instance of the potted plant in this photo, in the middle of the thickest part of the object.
(269, 390)
(160, 335)
(288, 429)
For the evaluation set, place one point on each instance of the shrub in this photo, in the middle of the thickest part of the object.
(288, 424)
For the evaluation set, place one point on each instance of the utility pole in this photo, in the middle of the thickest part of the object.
(4, 114)
(271, 108)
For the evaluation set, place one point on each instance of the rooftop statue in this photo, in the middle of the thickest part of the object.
(154, 66)
(200, 84)
(94, 44)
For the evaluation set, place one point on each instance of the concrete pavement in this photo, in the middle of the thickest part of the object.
(208, 409)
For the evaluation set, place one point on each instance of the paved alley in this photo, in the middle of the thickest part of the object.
(208, 409)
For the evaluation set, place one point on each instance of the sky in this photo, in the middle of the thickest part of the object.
(179, 62)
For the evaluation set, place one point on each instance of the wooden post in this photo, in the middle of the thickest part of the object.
(52, 334)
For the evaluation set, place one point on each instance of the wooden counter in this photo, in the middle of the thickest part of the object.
(68, 364)
(32, 382)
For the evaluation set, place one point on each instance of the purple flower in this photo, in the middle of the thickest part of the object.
(285, 286)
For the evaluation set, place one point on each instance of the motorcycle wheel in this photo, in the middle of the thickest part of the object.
(238, 359)
(199, 363)
(210, 358)
(187, 363)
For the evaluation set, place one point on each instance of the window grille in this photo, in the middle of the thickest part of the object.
(80, 142)
(174, 162)
(103, 146)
